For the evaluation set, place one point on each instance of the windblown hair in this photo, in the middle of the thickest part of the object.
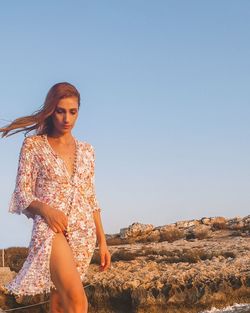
(41, 120)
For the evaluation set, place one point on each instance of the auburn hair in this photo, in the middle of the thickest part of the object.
(41, 120)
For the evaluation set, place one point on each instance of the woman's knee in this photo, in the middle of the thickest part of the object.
(76, 297)
(55, 302)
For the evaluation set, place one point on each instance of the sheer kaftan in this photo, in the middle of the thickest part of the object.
(42, 175)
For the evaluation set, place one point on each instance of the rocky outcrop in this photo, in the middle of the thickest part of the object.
(187, 266)
(6, 274)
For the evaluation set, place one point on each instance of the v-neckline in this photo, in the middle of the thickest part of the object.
(57, 156)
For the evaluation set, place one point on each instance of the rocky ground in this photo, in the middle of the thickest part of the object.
(188, 266)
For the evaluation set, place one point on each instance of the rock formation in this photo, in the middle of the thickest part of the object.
(187, 266)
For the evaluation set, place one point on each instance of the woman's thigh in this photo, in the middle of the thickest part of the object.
(63, 270)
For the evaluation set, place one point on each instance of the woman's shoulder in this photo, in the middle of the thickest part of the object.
(85, 145)
(32, 139)
(38, 138)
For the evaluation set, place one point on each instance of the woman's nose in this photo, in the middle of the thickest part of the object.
(66, 118)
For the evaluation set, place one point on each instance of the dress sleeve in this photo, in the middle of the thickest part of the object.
(23, 193)
(91, 190)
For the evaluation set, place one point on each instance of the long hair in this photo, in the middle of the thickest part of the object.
(41, 120)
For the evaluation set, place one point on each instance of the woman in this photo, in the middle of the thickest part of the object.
(55, 187)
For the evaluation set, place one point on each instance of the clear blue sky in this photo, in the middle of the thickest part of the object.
(165, 102)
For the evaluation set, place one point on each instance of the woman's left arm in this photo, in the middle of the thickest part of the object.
(103, 248)
(96, 211)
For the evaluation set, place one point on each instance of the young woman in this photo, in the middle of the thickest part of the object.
(55, 187)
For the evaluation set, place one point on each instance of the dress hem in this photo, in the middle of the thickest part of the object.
(45, 292)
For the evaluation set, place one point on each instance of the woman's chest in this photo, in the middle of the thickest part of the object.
(53, 167)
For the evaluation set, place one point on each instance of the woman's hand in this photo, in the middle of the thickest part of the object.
(104, 256)
(56, 219)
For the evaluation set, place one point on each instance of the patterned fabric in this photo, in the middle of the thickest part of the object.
(42, 175)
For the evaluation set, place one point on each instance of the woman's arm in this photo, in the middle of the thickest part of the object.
(24, 194)
(37, 208)
(24, 200)
(96, 211)
(99, 228)
(103, 248)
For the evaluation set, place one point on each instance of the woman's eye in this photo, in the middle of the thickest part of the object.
(59, 111)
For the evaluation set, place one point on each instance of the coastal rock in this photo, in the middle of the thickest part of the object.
(188, 266)
(171, 233)
(187, 224)
(135, 230)
(6, 275)
(199, 232)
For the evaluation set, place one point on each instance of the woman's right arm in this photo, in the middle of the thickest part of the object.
(23, 199)
(56, 219)
(38, 208)
(23, 194)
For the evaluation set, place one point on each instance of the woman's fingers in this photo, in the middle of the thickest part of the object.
(56, 227)
(58, 222)
(107, 260)
(64, 220)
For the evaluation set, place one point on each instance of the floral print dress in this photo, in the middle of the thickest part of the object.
(42, 175)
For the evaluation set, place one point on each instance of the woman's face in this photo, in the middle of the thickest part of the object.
(65, 114)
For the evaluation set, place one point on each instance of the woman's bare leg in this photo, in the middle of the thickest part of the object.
(66, 277)
(55, 305)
